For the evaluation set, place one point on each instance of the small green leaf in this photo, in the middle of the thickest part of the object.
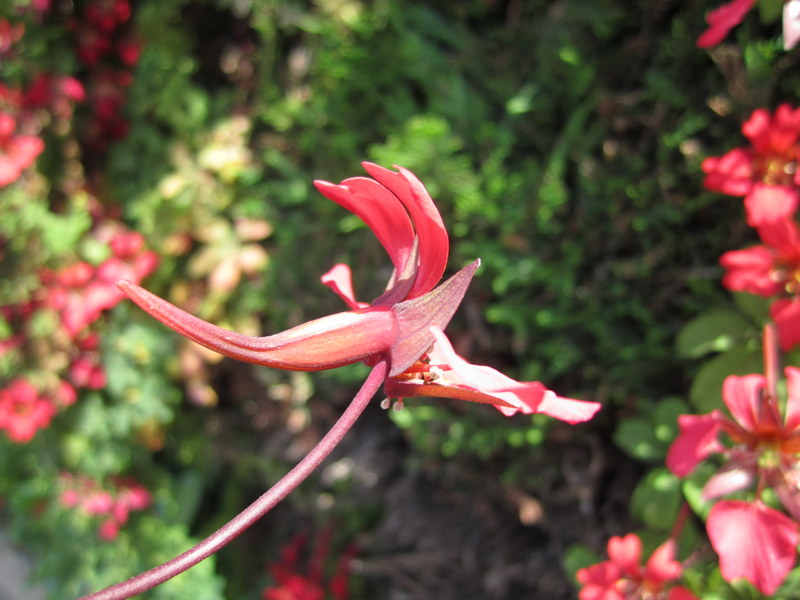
(636, 437)
(693, 489)
(578, 557)
(657, 499)
(706, 391)
(754, 307)
(665, 418)
(715, 331)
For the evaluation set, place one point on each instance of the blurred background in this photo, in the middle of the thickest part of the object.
(174, 142)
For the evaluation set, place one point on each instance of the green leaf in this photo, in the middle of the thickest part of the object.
(665, 419)
(657, 499)
(706, 391)
(578, 557)
(636, 437)
(693, 489)
(752, 306)
(715, 331)
(770, 11)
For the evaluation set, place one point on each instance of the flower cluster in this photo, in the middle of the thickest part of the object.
(67, 359)
(17, 152)
(623, 577)
(23, 410)
(762, 451)
(113, 503)
(766, 175)
(48, 101)
(721, 20)
(295, 583)
(108, 51)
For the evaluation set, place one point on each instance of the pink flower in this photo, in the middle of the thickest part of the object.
(765, 447)
(80, 292)
(17, 152)
(23, 412)
(771, 270)
(765, 173)
(402, 326)
(10, 34)
(622, 577)
(86, 372)
(113, 503)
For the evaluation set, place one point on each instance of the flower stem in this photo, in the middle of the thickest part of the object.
(771, 362)
(246, 518)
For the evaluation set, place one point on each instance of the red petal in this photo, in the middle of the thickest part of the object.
(722, 20)
(626, 553)
(681, 593)
(750, 271)
(696, 440)
(325, 343)
(792, 419)
(732, 173)
(379, 209)
(753, 541)
(662, 566)
(766, 203)
(433, 243)
(340, 280)
(786, 314)
(742, 396)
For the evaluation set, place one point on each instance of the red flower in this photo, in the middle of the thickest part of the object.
(291, 584)
(17, 152)
(766, 173)
(768, 270)
(765, 446)
(23, 412)
(80, 292)
(113, 504)
(9, 35)
(403, 326)
(622, 577)
(57, 93)
(771, 270)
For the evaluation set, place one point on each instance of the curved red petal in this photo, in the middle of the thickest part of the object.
(380, 209)
(434, 245)
(721, 20)
(340, 280)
